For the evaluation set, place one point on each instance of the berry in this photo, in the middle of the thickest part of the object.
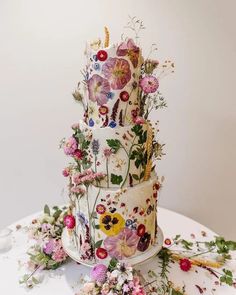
(102, 55)
(185, 264)
(124, 96)
(141, 230)
(167, 242)
(103, 110)
(69, 221)
(101, 253)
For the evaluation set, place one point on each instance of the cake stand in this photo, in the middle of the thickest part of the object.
(72, 252)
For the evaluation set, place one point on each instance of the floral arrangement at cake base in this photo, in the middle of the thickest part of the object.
(118, 278)
(47, 251)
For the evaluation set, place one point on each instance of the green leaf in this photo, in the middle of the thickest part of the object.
(114, 144)
(187, 245)
(174, 292)
(57, 213)
(116, 179)
(113, 263)
(176, 237)
(231, 245)
(141, 175)
(227, 278)
(135, 176)
(137, 163)
(137, 129)
(46, 210)
(97, 226)
(35, 281)
(98, 244)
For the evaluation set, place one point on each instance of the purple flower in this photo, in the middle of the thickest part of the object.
(98, 89)
(99, 273)
(70, 146)
(122, 245)
(130, 49)
(49, 247)
(95, 146)
(149, 84)
(117, 70)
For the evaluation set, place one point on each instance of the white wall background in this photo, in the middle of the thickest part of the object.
(41, 54)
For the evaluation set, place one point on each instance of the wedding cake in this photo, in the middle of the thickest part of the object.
(113, 186)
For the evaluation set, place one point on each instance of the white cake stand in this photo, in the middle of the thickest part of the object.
(72, 252)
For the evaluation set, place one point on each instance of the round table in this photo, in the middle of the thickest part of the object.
(66, 279)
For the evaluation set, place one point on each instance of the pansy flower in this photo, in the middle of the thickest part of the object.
(122, 245)
(117, 70)
(130, 49)
(111, 223)
(98, 88)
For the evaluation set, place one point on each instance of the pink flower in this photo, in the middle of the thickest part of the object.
(59, 255)
(117, 70)
(75, 126)
(77, 190)
(49, 247)
(70, 146)
(138, 120)
(149, 84)
(87, 288)
(107, 153)
(129, 48)
(99, 273)
(78, 154)
(122, 245)
(98, 89)
(66, 172)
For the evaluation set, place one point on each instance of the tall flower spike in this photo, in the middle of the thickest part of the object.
(107, 37)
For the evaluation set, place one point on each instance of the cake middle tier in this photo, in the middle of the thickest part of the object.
(123, 154)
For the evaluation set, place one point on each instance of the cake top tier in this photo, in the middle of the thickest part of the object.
(112, 84)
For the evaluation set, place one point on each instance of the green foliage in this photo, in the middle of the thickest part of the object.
(98, 244)
(46, 210)
(227, 277)
(112, 264)
(116, 179)
(114, 144)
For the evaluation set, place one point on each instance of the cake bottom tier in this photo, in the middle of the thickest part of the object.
(113, 223)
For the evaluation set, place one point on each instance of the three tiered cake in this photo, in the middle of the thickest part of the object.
(113, 186)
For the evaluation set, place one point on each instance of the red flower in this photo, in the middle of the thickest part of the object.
(102, 55)
(103, 110)
(167, 242)
(124, 96)
(69, 221)
(185, 264)
(78, 154)
(101, 209)
(101, 253)
(141, 230)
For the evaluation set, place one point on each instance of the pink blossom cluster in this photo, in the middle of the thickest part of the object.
(77, 190)
(54, 248)
(87, 177)
(105, 281)
(70, 146)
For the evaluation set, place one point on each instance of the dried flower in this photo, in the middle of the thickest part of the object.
(99, 273)
(95, 146)
(149, 84)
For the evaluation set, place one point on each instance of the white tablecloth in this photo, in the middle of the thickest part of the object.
(66, 279)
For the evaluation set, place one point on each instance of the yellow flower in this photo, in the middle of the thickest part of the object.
(111, 223)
